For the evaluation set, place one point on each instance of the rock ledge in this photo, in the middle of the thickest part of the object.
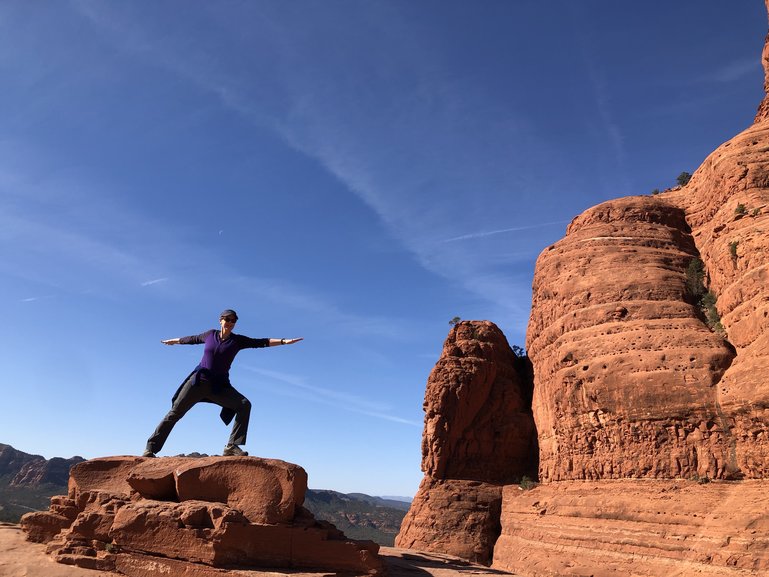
(190, 516)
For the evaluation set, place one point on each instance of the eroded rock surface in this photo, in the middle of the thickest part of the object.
(727, 206)
(478, 423)
(479, 433)
(644, 528)
(626, 368)
(181, 515)
(637, 397)
(453, 515)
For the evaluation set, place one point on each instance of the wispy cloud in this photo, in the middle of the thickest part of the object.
(329, 397)
(296, 297)
(484, 234)
(421, 144)
(34, 299)
(154, 281)
(734, 71)
(602, 95)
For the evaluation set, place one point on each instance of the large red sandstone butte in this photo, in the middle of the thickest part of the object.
(652, 418)
(629, 379)
(478, 435)
(626, 370)
(184, 516)
(637, 393)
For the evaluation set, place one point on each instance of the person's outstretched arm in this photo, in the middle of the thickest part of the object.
(193, 340)
(277, 342)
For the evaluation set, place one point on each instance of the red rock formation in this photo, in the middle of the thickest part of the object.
(141, 515)
(453, 515)
(25, 470)
(644, 528)
(478, 423)
(650, 392)
(727, 206)
(631, 383)
(625, 367)
(479, 433)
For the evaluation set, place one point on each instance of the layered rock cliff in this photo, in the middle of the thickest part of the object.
(630, 381)
(634, 381)
(649, 342)
(727, 206)
(478, 435)
(626, 369)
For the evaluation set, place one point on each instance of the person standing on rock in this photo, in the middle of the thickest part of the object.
(210, 383)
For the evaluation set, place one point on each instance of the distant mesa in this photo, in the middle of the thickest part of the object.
(25, 470)
(180, 515)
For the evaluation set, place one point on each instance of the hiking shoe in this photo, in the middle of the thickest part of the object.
(234, 451)
(149, 454)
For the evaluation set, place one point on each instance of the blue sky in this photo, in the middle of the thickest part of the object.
(353, 172)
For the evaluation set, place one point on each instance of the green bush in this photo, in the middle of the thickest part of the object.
(695, 278)
(705, 299)
(527, 483)
(683, 178)
(740, 209)
(733, 249)
(455, 321)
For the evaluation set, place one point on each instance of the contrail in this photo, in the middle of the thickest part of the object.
(503, 230)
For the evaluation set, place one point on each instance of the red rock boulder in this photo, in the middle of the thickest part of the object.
(191, 516)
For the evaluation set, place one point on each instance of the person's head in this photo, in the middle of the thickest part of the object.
(228, 318)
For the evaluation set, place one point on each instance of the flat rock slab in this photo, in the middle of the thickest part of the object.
(643, 528)
(264, 490)
(20, 558)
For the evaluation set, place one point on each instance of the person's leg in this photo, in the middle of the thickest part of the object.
(230, 398)
(188, 396)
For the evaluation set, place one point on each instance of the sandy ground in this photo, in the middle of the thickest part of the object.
(20, 558)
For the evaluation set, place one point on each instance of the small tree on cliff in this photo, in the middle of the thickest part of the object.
(455, 321)
(683, 178)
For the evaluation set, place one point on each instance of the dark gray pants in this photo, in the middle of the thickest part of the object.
(193, 391)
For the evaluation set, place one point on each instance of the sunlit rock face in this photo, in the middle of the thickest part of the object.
(188, 516)
(478, 423)
(630, 382)
(643, 528)
(625, 366)
(727, 205)
(479, 434)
